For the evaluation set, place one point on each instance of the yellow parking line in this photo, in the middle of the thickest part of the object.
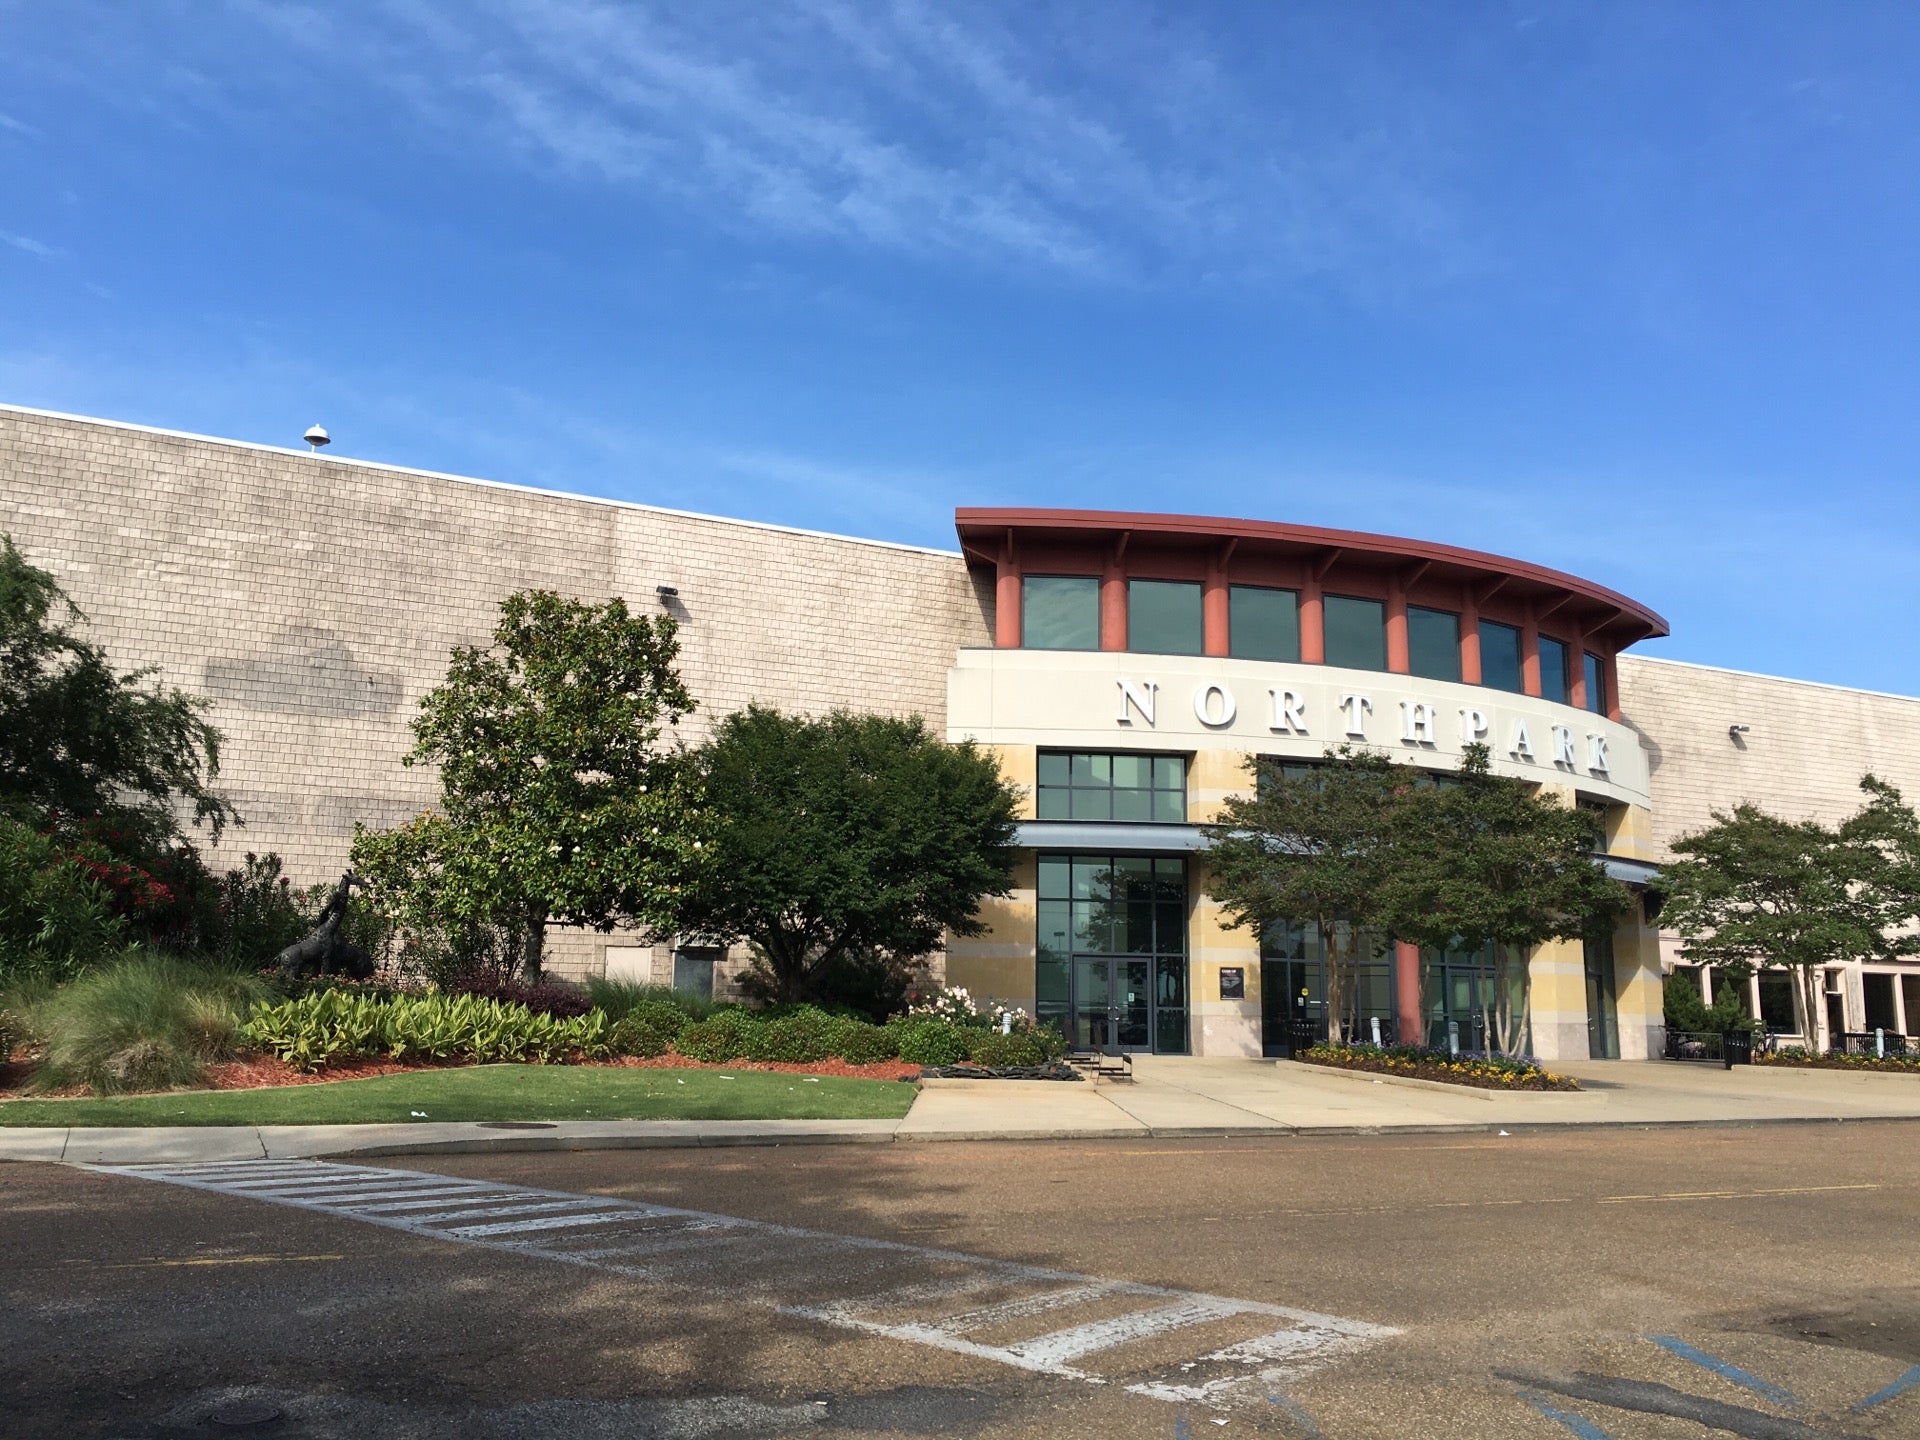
(207, 1260)
(1734, 1194)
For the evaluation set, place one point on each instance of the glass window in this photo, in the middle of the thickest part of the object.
(1776, 1003)
(1554, 676)
(1086, 786)
(1433, 643)
(693, 970)
(1356, 632)
(1112, 905)
(1163, 617)
(1596, 683)
(1500, 656)
(1263, 624)
(1060, 612)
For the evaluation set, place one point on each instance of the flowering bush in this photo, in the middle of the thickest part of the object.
(1486, 1072)
(954, 1005)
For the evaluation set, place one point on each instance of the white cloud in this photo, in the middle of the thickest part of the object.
(1109, 144)
(27, 243)
(19, 127)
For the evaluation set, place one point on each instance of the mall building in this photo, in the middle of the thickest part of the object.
(1122, 667)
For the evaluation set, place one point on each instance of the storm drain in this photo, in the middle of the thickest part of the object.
(1174, 1345)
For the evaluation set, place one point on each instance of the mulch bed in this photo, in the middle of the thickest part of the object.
(1541, 1080)
(1888, 1066)
(259, 1071)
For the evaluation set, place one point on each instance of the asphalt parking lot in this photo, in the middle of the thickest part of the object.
(1748, 1281)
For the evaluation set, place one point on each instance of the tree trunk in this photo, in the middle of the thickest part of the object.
(534, 944)
(1811, 997)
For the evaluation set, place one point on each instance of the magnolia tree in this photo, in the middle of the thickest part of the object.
(1317, 845)
(1752, 891)
(1492, 865)
(845, 849)
(559, 801)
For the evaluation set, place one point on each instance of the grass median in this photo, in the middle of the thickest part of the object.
(494, 1092)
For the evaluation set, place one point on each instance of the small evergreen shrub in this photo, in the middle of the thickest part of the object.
(724, 1035)
(802, 1036)
(638, 1038)
(930, 1042)
(859, 1043)
(997, 1051)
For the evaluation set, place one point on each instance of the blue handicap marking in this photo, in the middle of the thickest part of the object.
(1726, 1371)
(1297, 1413)
(1578, 1424)
(1899, 1387)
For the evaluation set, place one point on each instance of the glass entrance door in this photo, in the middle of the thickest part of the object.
(1111, 998)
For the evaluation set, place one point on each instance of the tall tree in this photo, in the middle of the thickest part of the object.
(1492, 866)
(559, 803)
(1753, 891)
(1318, 845)
(80, 742)
(846, 837)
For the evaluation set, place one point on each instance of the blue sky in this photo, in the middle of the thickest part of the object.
(1625, 289)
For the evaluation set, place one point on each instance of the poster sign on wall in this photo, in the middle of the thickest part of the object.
(1233, 982)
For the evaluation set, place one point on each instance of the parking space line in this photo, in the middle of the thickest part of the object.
(1899, 1387)
(1566, 1419)
(784, 1268)
(1766, 1389)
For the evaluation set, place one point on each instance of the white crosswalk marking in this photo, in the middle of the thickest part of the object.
(877, 1287)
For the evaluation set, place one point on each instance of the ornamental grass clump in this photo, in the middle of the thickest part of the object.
(146, 1022)
(620, 998)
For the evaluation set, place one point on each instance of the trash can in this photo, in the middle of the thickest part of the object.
(1736, 1048)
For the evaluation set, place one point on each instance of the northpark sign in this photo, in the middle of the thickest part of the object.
(1215, 707)
(1099, 700)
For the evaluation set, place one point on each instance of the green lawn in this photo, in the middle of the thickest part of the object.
(494, 1092)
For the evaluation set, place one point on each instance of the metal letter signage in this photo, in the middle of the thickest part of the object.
(1356, 707)
(1138, 697)
(1289, 712)
(1597, 754)
(1473, 726)
(1203, 706)
(1416, 722)
(1563, 747)
(1522, 743)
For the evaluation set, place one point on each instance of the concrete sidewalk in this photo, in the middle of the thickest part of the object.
(1168, 1098)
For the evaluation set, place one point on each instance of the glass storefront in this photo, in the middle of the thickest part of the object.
(1293, 985)
(1112, 954)
(1101, 786)
(1603, 1006)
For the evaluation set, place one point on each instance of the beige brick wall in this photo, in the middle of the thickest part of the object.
(315, 599)
(1802, 757)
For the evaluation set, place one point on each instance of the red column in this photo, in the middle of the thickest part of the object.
(1613, 687)
(1530, 654)
(1006, 604)
(1406, 980)
(1214, 611)
(1313, 624)
(1577, 680)
(1469, 640)
(1113, 608)
(1399, 655)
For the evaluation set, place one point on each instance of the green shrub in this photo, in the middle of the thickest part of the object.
(859, 1043)
(801, 1036)
(997, 1051)
(56, 913)
(309, 1032)
(146, 1022)
(620, 998)
(930, 1042)
(639, 1035)
(724, 1035)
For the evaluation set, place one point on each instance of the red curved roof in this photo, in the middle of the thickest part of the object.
(984, 531)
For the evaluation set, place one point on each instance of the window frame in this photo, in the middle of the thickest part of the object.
(1045, 790)
(1026, 611)
(1326, 630)
(1167, 587)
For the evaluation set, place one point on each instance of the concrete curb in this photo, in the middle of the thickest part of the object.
(170, 1144)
